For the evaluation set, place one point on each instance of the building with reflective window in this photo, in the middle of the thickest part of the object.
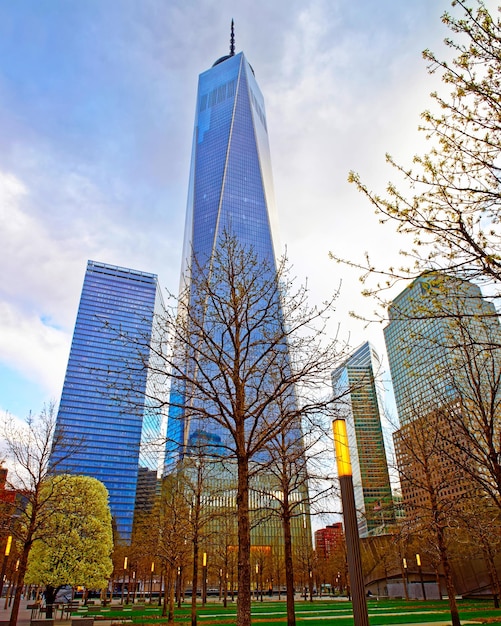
(354, 383)
(431, 322)
(443, 342)
(230, 190)
(230, 193)
(103, 403)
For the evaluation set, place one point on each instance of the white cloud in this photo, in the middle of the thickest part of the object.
(36, 350)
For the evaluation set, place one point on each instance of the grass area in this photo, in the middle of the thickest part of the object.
(317, 613)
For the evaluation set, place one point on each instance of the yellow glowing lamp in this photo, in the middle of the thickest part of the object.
(341, 446)
(153, 566)
(404, 563)
(418, 560)
(205, 559)
(125, 563)
(8, 545)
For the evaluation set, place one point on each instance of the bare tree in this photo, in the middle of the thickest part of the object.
(200, 487)
(294, 486)
(432, 488)
(243, 341)
(478, 537)
(28, 449)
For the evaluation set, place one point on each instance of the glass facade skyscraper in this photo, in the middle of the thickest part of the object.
(230, 196)
(354, 381)
(430, 321)
(230, 187)
(103, 400)
(443, 343)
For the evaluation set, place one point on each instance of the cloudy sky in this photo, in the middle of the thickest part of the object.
(97, 101)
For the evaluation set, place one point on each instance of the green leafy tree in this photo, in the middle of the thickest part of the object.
(27, 447)
(75, 540)
(448, 201)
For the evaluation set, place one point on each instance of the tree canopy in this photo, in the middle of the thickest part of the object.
(75, 540)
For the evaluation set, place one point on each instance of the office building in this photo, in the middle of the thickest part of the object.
(230, 193)
(103, 403)
(443, 343)
(430, 322)
(355, 386)
(329, 541)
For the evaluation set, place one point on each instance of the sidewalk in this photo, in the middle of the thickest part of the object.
(24, 616)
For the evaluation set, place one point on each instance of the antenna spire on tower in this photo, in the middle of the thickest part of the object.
(232, 39)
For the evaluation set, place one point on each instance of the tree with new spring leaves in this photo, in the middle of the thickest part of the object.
(74, 543)
(451, 206)
(27, 447)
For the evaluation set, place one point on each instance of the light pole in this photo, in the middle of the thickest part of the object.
(360, 615)
(151, 580)
(257, 581)
(123, 582)
(404, 576)
(204, 581)
(418, 561)
(4, 564)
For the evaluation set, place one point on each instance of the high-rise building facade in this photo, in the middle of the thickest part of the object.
(230, 194)
(431, 322)
(230, 190)
(355, 384)
(443, 343)
(103, 405)
(329, 541)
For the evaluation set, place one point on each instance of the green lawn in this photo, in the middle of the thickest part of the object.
(317, 613)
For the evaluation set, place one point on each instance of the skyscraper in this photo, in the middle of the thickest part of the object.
(230, 199)
(431, 322)
(360, 405)
(443, 342)
(230, 188)
(103, 401)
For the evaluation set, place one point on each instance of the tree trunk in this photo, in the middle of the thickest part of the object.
(451, 592)
(172, 597)
(493, 575)
(289, 570)
(50, 598)
(23, 562)
(225, 580)
(167, 586)
(244, 582)
(195, 580)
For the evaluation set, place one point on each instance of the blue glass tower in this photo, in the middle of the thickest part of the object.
(230, 190)
(103, 401)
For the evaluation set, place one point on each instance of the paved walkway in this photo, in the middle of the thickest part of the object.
(24, 614)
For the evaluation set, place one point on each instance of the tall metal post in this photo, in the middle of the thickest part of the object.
(418, 562)
(123, 582)
(360, 614)
(204, 580)
(152, 569)
(404, 577)
(4, 563)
